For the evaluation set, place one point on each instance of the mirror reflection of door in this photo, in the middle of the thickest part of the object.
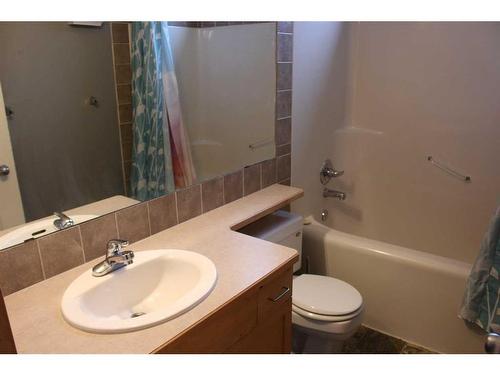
(67, 151)
(11, 212)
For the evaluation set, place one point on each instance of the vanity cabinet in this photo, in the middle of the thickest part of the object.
(256, 321)
(7, 345)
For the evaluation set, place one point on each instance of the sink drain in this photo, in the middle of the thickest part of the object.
(135, 315)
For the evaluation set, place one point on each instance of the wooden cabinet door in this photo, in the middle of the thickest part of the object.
(7, 345)
(272, 335)
(220, 330)
(258, 321)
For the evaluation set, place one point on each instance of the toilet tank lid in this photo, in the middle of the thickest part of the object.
(274, 227)
(325, 295)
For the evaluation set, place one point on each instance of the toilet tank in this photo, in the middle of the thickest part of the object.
(280, 227)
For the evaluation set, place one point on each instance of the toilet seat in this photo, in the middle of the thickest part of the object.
(326, 318)
(325, 298)
(340, 329)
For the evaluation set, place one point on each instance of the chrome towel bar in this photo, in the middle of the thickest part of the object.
(262, 143)
(465, 178)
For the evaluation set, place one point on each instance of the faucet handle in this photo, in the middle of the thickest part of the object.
(62, 221)
(328, 172)
(116, 245)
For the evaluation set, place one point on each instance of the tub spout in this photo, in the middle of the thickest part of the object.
(329, 193)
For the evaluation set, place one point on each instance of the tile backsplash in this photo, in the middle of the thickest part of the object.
(36, 260)
(123, 88)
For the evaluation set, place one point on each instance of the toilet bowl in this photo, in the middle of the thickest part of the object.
(325, 311)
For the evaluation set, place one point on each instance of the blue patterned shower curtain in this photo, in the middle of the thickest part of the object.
(481, 302)
(152, 173)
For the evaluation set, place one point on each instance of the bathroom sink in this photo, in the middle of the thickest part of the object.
(159, 285)
(36, 229)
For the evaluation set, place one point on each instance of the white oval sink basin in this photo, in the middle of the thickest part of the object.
(159, 285)
(36, 229)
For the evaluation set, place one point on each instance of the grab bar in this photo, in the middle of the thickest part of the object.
(465, 178)
(258, 144)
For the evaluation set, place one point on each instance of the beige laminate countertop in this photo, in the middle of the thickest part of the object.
(241, 261)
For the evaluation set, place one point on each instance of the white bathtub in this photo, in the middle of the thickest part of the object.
(408, 294)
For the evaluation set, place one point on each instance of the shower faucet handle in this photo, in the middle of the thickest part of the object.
(328, 172)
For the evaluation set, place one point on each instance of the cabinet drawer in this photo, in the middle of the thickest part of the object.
(275, 293)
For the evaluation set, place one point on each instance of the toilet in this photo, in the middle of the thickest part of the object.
(325, 311)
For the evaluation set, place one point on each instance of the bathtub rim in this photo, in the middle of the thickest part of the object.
(398, 253)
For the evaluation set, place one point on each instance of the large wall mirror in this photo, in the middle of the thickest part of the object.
(95, 118)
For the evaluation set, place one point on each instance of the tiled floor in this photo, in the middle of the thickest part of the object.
(369, 341)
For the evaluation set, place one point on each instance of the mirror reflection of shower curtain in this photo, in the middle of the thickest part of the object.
(161, 159)
(182, 161)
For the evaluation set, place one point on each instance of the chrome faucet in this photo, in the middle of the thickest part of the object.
(329, 193)
(328, 172)
(116, 258)
(63, 221)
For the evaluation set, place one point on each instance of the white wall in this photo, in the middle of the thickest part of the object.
(319, 101)
(416, 89)
(227, 87)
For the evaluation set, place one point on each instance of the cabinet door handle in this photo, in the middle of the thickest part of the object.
(284, 291)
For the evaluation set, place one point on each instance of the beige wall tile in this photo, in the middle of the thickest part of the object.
(123, 74)
(212, 194)
(124, 93)
(283, 166)
(20, 267)
(126, 133)
(284, 27)
(61, 251)
(119, 32)
(96, 234)
(125, 113)
(162, 213)
(127, 151)
(251, 178)
(283, 150)
(133, 223)
(122, 53)
(268, 172)
(283, 131)
(284, 76)
(189, 203)
(128, 166)
(285, 47)
(233, 186)
(283, 104)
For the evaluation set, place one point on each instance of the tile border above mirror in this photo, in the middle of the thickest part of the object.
(26, 264)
